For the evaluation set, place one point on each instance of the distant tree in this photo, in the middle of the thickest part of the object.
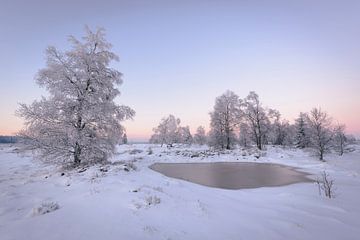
(245, 135)
(8, 139)
(224, 121)
(321, 134)
(257, 118)
(302, 138)
(200, 136)
(290, 135)
(79, 121)
(184, 135)
(155, 139)
(281, 133)
(340, 139)
(167, 131)
(351, 139)
(124, 139)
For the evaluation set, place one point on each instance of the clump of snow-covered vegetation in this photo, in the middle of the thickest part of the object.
(44, 208)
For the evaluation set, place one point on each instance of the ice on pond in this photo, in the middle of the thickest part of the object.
(233, 175)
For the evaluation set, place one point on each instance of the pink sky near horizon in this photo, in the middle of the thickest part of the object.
(140, 129)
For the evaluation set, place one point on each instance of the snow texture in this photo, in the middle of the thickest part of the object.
(117, 201)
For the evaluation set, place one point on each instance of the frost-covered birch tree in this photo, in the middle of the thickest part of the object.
(340, 139)
(200, 136)
(282, 133)
(321, 134)
(257, 117)
(224, 121)
(79, 120)
(184, 135)
(167, 131)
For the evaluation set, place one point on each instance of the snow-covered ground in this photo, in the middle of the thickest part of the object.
(106, 202)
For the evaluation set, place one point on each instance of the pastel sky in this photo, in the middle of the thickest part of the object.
(177, 56)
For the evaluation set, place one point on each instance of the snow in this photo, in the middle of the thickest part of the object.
(107, 202)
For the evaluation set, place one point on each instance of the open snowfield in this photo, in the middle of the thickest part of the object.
(106, 202)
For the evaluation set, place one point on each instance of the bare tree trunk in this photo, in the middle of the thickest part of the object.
(258, 142)
(77, 153)
(321, 154)
(228, 142)
(342, 146)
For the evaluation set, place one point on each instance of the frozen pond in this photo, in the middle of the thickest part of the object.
(233, 175)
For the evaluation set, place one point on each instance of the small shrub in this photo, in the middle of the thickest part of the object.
(150, 151)
(326, 185)
(130, 166)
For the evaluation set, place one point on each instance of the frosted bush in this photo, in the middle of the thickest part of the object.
(130, 166)
(45, 208)
(150, 151)
(152, 200)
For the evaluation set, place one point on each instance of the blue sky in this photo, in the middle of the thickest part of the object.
(177, 56)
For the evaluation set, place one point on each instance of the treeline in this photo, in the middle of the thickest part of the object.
(247, 122)
(8, 139)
